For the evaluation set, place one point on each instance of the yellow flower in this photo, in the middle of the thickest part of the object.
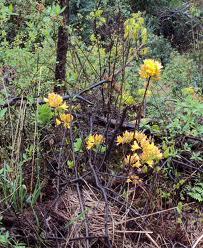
(98, 139)
(145, 152)
(150, 153)
(94, 141)
(125, 139)
(58, 122)
(90, 142)
(63, 106)
(135, 146)
(150, 68)
(119, 140)
(66, 119)
(140, 136)
(131, 159)
(54, 100)
(128, 137)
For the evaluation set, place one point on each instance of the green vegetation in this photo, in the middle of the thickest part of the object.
(101, 118)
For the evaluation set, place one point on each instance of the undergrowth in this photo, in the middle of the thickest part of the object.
(113, 155)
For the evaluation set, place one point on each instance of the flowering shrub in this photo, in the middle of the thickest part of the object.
(110, 73)
(56, 102)
(144, 151)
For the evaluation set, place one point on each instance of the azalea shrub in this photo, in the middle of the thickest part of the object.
(116, 138)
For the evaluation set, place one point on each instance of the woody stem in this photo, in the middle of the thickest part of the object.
(141, 106)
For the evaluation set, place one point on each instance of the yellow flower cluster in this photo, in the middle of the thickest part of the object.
(126, 138)
(56, 101)
(133, 160)
(94, 141)
(66, 119)
(144, 150)
(150, 153)
(150, 69)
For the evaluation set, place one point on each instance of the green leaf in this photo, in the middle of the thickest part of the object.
(196, 192)
(103, 149)
(78, 145)
(180, 207)
(11, 8)
(63, 9)
(71, 164)
(2, 101)
(57, 10)
(4, 238)
(2, 113)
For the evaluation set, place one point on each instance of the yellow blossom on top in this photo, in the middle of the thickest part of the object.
(150, 68)
(66, 119)
(94, 141)
(54, 100)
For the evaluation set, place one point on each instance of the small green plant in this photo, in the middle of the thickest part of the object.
(180, 211)
(6, 241)
(45, 114)
(78, 145)
(2, 113)
(186, 118)
(196, 191)
(14, 189)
